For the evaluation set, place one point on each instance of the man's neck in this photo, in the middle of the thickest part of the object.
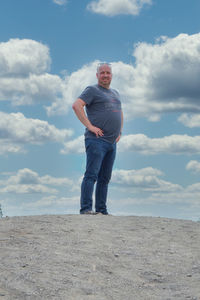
(104, 86)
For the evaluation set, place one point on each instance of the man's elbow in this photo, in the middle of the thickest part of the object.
(74, 106)
(78, 105)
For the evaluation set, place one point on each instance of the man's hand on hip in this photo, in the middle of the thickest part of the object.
(97, 131)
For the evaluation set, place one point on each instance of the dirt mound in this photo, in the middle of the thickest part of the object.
(85, 257)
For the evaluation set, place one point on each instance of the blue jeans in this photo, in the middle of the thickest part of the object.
(100, 159)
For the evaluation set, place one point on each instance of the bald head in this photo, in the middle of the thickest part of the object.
(100, 65)
(104, 75)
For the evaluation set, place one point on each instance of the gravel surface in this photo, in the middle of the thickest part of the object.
(84, 257)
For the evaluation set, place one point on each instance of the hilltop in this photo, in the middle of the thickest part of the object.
(85, 257)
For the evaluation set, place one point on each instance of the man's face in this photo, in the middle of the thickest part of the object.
(104, 76)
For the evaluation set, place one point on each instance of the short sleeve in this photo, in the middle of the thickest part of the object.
(87, 95)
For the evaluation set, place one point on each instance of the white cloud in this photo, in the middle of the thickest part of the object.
(164, 78)
(137, 190)
(193, 166)
(49, 180)
(76, 82)
(60, 2)
(10, 147)
(42, 88)
(27, 189)
(16, 131)
(146, 179)
(143, 187)
(194, 188)
(24, 77)
(190, 120)
(24, 176)
(74, 146)
(117, 7)
(28, 181)
(23, 57)
(73, 85)
(174, 144)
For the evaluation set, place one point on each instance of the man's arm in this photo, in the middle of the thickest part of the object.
(78, 107)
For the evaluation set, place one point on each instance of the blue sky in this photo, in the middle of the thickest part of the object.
(49, 51)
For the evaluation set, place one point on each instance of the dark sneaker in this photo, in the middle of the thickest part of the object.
(89, 212)
(104, 214)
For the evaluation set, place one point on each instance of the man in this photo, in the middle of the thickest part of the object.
(103, 124)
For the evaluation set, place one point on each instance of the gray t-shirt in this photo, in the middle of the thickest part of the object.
(103, 108)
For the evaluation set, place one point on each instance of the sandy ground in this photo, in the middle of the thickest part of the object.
(86, 257)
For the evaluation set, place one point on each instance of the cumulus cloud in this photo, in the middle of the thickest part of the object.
(146, 179)
(73, 85)
(27, 181)
(43, 88)
(27, 189)
(16, 131)
(164, 78)
(193, 166)
(23, 57)
(24, 77)
(117, 7)
(190, 120)
(174, 144)
(166, 75)
(74, 146)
